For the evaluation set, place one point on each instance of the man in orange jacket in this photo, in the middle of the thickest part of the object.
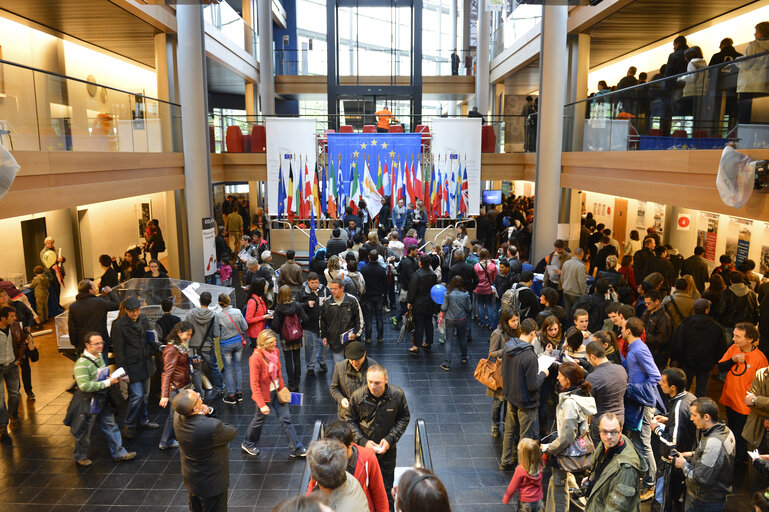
(362, 464)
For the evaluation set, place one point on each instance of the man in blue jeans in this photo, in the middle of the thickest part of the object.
(311, 296)
(206, 328)
(133, 351)
(709, 469)
(11, 347)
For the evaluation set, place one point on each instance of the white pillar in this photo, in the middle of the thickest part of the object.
(482, 60)
(266, 75)
(453, 27)
(193, 96)
(552, 82)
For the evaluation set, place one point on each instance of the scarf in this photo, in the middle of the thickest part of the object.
(272, 359)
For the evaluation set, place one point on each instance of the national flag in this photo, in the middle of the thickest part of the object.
(315, 192)
(281, 190)
(301, 211)
(433, 192)
(313, 238)
(379, 179)
(453, 194)
(409, 183)
(459, 191)
(370, 193)
(419, 192)
(465, 194)
(397, 183)
(332, 190)
(445, 193)
(308, 191)
(387, 182)
(323, 191)
(291, 192)
(354, 189)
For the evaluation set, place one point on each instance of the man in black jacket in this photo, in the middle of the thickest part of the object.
(697, 267)
(203, 451)
(522, 381)
(373, 298)
(378, 416)
(421, 304)
(349, 375)
(658, 327)
(339, 314)
(698, 344)
(406, 268)
(311, 297)
(89, 313)
(133, 353)
(676, 431)
(469, 278)
(335, 244)
(528, 302)
(660, 263)
(641, 257)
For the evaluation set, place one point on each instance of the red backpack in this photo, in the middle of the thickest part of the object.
(291, 330)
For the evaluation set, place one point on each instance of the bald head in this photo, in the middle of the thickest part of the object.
(184, 403)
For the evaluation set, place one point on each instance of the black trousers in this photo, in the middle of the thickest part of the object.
(374, 310)
(387, 466)
(293, 360)
(736, 423)
(210, 504)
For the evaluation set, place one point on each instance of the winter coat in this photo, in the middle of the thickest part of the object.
(554, 310)
(694, 83)
(346, 380)
(406, 268)
(696, 267)
(335, 246)
(89, 314)
(338, 318)
(375, 279)
(374, 419)
(419, 292)
(754, 426)
(521, 378)
(698, 343)
(456, 305)
(710, 470)
(487, 274)
(256, 310)
(754, 73)
(176, 370)
(679, 432)
(291, 275)
(283, 311)
(469, 277)
(132, 350)
(738, 304)
(618, 488)
(571, 415)
(261, 381)
(497, 343)
(595, 305)
(232, 325)
(304, 297)
(679, 306)
(206, 328)
(659, 332)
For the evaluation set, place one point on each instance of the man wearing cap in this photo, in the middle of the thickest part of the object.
(349, 375)
(133, 351)
(203, 450)
(698, 344)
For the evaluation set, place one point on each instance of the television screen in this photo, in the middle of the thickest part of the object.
(492, 197)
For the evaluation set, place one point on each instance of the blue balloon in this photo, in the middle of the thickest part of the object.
(437, 292)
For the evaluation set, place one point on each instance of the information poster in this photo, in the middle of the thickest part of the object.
(209, 245)
(738, 239)
(294, 137)
(707, 234)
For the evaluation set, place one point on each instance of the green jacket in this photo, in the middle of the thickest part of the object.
(619, 487)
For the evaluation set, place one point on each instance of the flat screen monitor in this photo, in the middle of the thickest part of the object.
(492, 197)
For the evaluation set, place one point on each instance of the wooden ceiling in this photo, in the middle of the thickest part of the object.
(99, 22)
(646, 21)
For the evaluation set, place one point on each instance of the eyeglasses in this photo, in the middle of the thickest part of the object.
(609, 432)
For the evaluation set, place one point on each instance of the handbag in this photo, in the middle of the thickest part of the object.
(489, 373)
(578, 456)
(284, 395)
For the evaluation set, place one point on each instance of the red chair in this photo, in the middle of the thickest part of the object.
(395, 128)
(234, 140)
(680, 133)
(655, 132)
(346, 128)
(700, 134)
(425, 131)
(488, 139)
(258, 139)
(369, 128)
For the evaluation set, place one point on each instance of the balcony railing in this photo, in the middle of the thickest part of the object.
(246, 134)
(44, 111)
(700, 109)
(233, 26)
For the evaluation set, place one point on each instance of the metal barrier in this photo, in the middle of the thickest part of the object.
(451, 226)
(317, 433)
(422, 457)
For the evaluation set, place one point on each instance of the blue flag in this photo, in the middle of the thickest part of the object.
(281, 192)
(313, 238)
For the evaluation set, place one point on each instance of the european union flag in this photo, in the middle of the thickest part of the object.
(372, 147)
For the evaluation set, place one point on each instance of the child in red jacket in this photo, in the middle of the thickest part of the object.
(527, 479)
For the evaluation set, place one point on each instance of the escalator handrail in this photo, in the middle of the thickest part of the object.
(422, 457)
(317, 434)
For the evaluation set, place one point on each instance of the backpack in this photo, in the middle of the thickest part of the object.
(291, 330)
(511, 301)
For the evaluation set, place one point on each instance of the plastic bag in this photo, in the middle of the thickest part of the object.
(9, 168)
(736, 177)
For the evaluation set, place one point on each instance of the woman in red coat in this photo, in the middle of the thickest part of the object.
(257, 313)
(266, 380)
(176, 375)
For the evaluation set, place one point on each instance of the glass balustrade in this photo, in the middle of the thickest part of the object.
(225, 19)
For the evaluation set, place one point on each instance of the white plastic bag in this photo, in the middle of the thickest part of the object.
(9, 168)
(736, 176)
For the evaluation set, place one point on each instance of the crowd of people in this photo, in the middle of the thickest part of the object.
(595, 363)
(681, 88)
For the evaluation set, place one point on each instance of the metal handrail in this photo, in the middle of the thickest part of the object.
(317, 434)
(422, 457)
(450, 226)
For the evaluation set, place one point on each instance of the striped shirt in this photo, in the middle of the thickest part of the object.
(86, 369)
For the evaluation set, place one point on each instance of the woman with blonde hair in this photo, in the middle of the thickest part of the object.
(691, 288)
(334, 269)
(266, 380)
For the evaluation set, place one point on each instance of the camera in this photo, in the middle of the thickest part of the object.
(582, 492)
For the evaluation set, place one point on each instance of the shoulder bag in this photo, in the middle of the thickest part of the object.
(489, 373)
(578, 456)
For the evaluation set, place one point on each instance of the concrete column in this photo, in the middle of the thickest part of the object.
(165, 67)
(465, 29)
(266, 76)
(247, 12)
(579, 65)
(453, 27)
(193, 96)
(482, 60)
(552, 81)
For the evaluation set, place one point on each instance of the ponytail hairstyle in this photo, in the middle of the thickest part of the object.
(576, 376)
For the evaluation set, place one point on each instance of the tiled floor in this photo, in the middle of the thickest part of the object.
(37, 472)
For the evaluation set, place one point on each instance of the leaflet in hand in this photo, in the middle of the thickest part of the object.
(117, 373)
(346, 336)
(297, 399)
(544, 362)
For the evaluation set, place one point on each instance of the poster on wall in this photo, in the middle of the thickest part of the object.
(707, 234)
(209, 245)
(764, 263)
(143, 215)
(738, 239)
(659, 218)
(640, 219)
(290, 142)
(461, 137)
